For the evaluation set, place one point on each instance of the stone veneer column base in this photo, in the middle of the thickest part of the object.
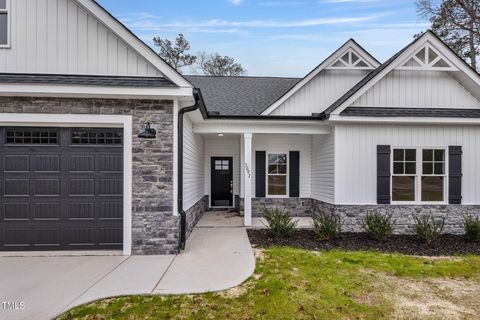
(195, 213)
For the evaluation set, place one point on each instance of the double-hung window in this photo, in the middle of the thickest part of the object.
(418, 175)
(4, 23)
(404, 174)
(433, 175)
(277, 174)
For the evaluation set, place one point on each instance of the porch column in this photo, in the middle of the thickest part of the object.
(247, 193)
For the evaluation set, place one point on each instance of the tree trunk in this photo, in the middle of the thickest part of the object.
(473, 51)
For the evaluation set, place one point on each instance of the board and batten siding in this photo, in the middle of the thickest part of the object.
(320, 92)
(193, 164)
(433, 89)
(60, 37)
(284, 144)
(227, 146)
(323, 168)
(355, 156)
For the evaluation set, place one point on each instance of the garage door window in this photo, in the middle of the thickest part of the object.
(97, 137)
(20, 136)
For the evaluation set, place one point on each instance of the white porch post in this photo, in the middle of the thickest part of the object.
(247, 203)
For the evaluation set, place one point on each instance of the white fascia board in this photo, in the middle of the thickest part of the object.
(329, 60)
(403, 120)
(143, 49)
(427, 37)
(261, 127)
(72, 91)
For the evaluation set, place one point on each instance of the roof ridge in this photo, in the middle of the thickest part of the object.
(257, 77)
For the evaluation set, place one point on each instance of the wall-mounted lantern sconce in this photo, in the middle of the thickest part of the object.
(149, 133)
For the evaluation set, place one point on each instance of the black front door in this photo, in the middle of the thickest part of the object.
(222, 182)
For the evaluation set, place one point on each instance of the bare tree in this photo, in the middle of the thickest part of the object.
(176, 54)
(457, 22)
(217, 65)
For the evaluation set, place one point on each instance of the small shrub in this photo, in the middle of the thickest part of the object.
(427, 227)
(472, 227)
(279, 222)
(327, 226)
(379, 226)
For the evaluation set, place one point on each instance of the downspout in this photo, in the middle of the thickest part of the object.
(183, 214)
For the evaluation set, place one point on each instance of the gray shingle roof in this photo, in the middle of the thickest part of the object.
(246, 96)
(411, 112)
(111, 81)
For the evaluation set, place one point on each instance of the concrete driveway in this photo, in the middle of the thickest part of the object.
(47, 286)
(218, 256)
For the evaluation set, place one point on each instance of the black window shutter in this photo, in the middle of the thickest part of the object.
(260, 178)
(294, 177)
(455, 175)
(383, 174)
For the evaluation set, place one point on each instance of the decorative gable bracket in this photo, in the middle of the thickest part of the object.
(427, 58)
(350, 59)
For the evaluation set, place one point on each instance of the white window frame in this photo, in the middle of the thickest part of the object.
(418, 176)
(9, 26)
(287, 191)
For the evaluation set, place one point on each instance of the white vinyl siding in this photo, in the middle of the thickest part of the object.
(284, 144)
(356, 164)
(59, 36)
(417, 89)
(193, 165)
(222, 147)
(320, 92)
(323, 168)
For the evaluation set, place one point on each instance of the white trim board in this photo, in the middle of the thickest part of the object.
(77, 91)
(81, 120)
(350, 44)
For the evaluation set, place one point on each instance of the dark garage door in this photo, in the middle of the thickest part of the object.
(61, 189)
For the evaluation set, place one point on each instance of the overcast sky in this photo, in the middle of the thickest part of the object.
(274, 37)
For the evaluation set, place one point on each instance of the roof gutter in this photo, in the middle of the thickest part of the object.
(183, 215)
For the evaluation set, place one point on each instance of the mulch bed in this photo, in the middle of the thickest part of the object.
(407, 244)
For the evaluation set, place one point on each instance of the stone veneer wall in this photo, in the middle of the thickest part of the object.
(195, 213)
(352, 215)
(292, 205)
(155, 229)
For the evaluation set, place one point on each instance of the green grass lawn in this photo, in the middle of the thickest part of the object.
(299, 284)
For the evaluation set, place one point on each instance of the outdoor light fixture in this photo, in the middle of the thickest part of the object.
(149, 133)
(220, 134)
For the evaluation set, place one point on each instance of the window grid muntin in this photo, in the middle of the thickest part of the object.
(105, 137)
(277, 173)
(31, 136)
(223, 165)
(419, 174)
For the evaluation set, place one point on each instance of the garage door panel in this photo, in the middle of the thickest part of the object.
(47, 187)
(60, 193)
(16, 187)
(111, 210)
(17, 163)
(47, 163)
(81, 163)
(46, 211)
(82, 187)
(15, 211)
(81, 211)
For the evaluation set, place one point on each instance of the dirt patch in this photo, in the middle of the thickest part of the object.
(445, 245)
(434, 298)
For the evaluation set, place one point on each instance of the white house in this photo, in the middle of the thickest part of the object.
(78, 170)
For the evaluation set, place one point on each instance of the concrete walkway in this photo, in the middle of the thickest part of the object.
(218, 256)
